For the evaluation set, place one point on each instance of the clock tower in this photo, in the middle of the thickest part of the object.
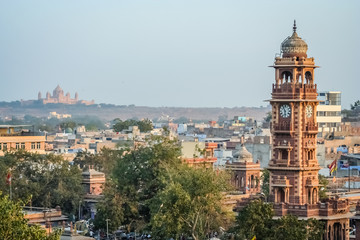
(294, 167)
(294, 182)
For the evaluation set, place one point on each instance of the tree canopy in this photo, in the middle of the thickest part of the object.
(144, 125)
(190, 204)
(150, 189)
(42, 180)
(13, 225)
(139, 173)
(256, 220)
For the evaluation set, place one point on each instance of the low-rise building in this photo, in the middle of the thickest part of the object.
(328, 112)
(15, 137)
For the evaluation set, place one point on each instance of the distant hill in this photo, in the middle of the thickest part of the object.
(109, 111)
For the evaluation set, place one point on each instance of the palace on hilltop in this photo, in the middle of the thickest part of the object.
(59, 97)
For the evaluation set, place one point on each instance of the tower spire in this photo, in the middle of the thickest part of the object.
(294, 28)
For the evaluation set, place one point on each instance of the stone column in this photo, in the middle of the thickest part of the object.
(357, 221)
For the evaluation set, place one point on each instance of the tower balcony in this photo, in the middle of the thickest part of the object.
(294, 90)
(282, 128)
(281, 182)
(311, 128)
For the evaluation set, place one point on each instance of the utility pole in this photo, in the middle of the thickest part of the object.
(10, 190)
(349, 175)
(79, 209)
(107, 228)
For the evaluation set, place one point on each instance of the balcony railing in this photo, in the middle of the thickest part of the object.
(282, 127)
(19, 134)
(311, 127)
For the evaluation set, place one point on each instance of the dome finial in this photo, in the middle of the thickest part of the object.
(294, 28)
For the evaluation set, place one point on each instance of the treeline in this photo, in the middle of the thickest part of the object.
(144, 125)
(91, 123)
(149, 189)
(256, 221)
(15, 226)
(41, 180)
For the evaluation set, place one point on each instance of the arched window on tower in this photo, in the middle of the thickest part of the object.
(314, 195)
(284, 154)
(286, 76)
(308, 77)
(252, 181)
(236, 181)
(281, 195)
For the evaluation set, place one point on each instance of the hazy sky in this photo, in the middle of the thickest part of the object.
(171, 53)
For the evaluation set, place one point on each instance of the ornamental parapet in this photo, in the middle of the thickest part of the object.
(284, 182)
(322, 209)
(282, 127)
(295, 89)
(294, 61)
(311, 127)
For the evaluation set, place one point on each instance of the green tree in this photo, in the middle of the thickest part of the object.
(141, 172)
(13, 225)
(68, 124)
(144, 125)
(323, 188)
(47, 180)
(191, 204)
(265, 186)
(111, 207)
(356, 104)
(291, 228)
(104, 161)
(268, 117)
(255, 219)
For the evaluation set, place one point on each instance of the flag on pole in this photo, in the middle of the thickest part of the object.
(8, 178)
(333, 166)
(333, 169)
(254, 238)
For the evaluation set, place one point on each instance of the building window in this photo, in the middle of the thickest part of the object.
(4, 146)
(334, 98)
(17, 146)
(22, 145)
(33, 145)
(38, 145)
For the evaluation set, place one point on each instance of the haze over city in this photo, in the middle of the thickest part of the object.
(171, 53)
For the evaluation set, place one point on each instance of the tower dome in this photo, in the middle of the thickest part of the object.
(294, 46)
(243, 155)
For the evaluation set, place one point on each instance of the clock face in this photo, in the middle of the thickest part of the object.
(308, 111)
(285, 111)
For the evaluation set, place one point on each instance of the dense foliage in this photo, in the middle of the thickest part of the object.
(324, 187)
(265, 186)
(91, 123)
(104, 161)
(14, 226)
(190, 204)
(144, 125)
(256, 220)
(42, 180)
(150, 189)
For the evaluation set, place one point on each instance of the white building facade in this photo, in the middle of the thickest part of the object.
(328, 112)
